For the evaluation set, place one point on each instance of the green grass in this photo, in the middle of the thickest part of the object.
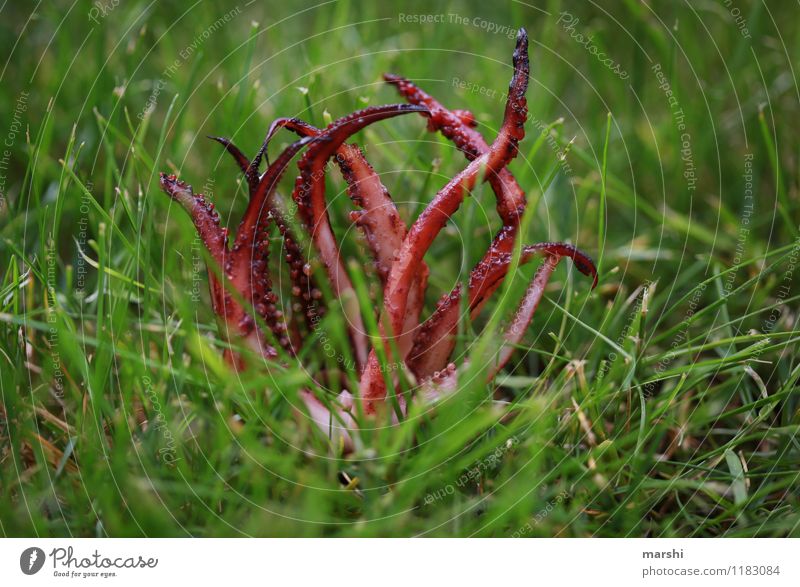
(663, 403)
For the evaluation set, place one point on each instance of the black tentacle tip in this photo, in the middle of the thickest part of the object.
(521, 48)
(380, 111)
(581, 260)
(225, 142)
(297, 125)
(584, 264)
(521, 64)
(417, 108)
(587, 267)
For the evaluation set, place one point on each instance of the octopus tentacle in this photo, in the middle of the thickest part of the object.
(435, 341)
(379, 219)
(241, 159)
(305, 292)
(444, 382)
(398, 252)
(319, 412)
(248, 268)
(524, 313)
(261, 205)
(262, 208)
(309, 194)
(215, 239)
(248, 264)
(384, 229)
(206, 222)
(512, 131)
(202, 213)
(435, 216)
(458, 126)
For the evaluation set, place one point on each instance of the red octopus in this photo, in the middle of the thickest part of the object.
(240, 282)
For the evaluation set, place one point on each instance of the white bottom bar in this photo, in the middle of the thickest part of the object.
(405, 562)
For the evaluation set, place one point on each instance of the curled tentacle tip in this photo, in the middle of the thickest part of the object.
(585, 265)
(424, 110)
(581, 260)
(291, 122)
(590, 270)
(225, 142)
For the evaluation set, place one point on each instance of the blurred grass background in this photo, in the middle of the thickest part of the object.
(663, 403)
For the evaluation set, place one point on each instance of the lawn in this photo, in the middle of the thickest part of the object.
(662, 140)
